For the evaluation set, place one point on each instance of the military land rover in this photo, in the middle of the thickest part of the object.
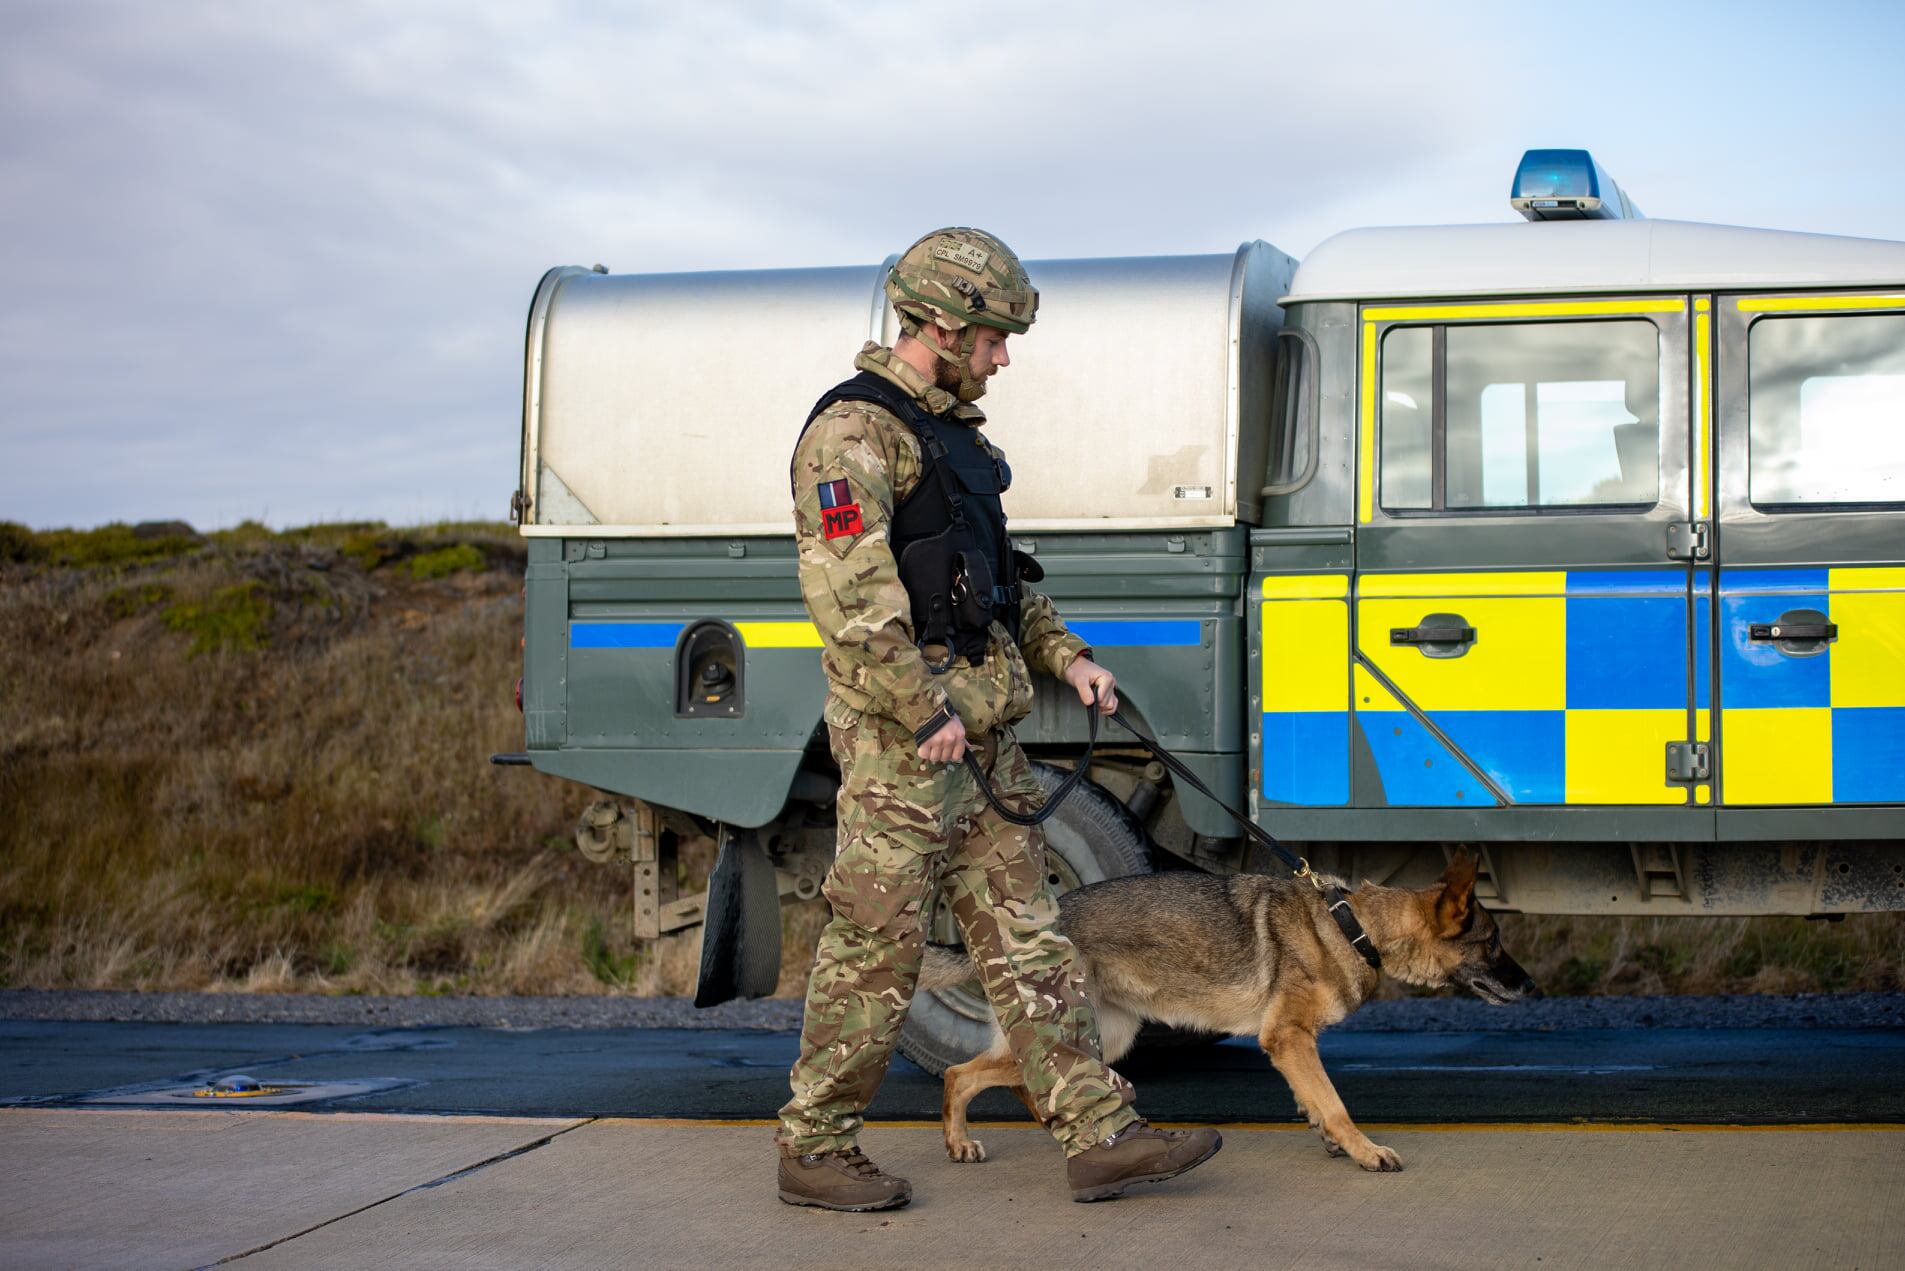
(1579, 540)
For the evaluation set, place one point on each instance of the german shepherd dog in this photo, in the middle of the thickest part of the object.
(1247, 955)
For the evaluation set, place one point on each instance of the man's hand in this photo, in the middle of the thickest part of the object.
(1085, 675)
(948, 745)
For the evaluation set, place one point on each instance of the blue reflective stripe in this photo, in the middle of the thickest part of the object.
(624, 635)
(1658, 581)
(1109, 633)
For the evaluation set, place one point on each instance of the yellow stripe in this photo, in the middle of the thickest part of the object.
(1702, 305)
(779, 635)
(1306, 587)
(1702, 360)
(1531, 583)
(1389, 1127)
(1366, 450)
(1797, 304)
(1539, 309)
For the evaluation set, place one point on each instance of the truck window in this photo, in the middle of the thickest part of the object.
(1826, 410)
(1505, 416)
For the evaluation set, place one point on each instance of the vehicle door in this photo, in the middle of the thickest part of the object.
(1523, 609)
(1811, 542)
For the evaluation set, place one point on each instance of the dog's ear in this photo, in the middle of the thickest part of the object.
(1458, 895)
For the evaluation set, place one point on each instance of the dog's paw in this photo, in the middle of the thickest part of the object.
(1378, 1159)
(968, 1152)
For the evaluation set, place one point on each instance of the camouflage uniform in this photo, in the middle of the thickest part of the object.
(908, 826)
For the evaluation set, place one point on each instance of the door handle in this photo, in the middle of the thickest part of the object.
(1793, 631)
(1431, 635)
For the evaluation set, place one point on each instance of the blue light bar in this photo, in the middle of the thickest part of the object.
(1567, 185)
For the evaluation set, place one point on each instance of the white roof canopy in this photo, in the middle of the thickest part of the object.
(1524, 258)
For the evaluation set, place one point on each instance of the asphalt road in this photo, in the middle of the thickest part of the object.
(1742, 1076)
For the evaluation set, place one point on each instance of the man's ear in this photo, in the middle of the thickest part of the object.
(1458, 895)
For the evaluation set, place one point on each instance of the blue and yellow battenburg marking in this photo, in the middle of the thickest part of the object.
(1570, 695)
(1829, 728)
(1576, 683)
(1303, 640)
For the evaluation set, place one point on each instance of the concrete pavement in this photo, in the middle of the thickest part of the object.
(111, 1188)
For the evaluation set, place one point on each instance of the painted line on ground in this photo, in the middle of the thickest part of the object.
(1438, 1127)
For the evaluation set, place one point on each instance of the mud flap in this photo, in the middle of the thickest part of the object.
(741, 935)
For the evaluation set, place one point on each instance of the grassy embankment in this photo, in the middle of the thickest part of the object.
(256, 760)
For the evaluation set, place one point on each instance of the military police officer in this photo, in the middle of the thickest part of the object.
(929, 628)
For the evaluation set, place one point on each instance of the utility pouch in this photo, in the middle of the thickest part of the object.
(1029, 570)
(928, 569)
(972, 591)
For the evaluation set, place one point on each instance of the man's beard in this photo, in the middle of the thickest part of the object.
(956, 378)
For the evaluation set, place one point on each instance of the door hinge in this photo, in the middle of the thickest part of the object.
(1689, 540)
(518, 506)
(1688, 760)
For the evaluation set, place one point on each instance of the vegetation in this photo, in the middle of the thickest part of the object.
(257, 760)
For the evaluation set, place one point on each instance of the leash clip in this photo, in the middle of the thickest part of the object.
(1304, 871)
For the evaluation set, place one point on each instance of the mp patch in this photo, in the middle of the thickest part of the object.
(839, 514)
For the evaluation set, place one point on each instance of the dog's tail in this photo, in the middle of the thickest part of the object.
(945, 966)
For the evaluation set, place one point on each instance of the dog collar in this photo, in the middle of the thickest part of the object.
(1338, 901)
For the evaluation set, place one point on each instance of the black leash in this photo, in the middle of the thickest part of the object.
(1057, 796)
(1333, 896)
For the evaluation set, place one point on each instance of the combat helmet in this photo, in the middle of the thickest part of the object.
(960, 279)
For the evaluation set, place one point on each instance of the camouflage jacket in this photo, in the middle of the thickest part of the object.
(851, 581)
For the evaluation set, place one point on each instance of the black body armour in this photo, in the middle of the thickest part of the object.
(956, 560)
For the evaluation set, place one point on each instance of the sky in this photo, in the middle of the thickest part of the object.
(272, 261)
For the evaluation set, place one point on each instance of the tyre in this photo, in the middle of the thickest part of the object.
(1089, 839)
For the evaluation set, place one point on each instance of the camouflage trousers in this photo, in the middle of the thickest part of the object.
(907, 828)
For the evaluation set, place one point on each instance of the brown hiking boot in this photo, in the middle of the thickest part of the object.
(1138, 1154)
(845, 1179)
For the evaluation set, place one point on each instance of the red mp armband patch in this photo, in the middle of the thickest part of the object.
(839, 514)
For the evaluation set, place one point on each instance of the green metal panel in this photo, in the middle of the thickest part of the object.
(607, 713)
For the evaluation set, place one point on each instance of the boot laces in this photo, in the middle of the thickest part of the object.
(857, 1164)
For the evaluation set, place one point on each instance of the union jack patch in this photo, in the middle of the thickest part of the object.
(839, 513)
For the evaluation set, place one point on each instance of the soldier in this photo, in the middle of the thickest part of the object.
(929, 631)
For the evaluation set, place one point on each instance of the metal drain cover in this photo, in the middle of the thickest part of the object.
(237, 1091)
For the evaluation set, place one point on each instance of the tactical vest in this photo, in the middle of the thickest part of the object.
(948, 534)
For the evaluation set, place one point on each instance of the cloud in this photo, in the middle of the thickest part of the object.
(274, 260)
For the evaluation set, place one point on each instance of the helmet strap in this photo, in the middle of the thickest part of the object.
(971, 387)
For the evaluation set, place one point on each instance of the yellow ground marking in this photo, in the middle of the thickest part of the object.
(1537, 582)
(764, 1123)
(1537, 309)
(1306, 587)
(1427, 1127)
(1800, 304)
(198, 1111)
(779, 635)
